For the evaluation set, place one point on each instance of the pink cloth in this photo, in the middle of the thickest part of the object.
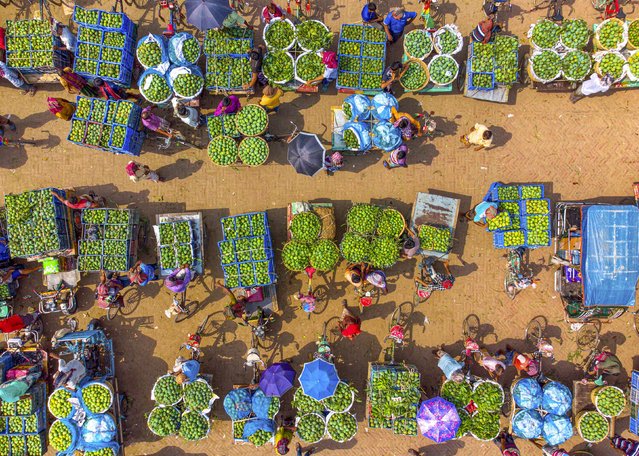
(491, 363)
(267, 16)
(131, 168)
(232, 108)
(329, 58)
(153, 122)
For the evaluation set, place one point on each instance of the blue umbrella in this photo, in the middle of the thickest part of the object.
(207, 14)
(277, 379)
(319, 379)
(438, 419)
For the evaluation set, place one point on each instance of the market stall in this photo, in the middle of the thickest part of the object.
(593, 282)
(434, 220)
(595, 409)
(364, 123)
(108, 125)
(393, 393)
(25, 415)
(180, 240)
(252, 415)
(228, 66)
(109, 240)
(88, 410)
(361, 55)
(105, 45)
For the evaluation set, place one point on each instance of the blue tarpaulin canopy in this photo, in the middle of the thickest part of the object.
(610, 255)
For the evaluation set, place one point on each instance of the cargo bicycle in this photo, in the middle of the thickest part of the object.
(397, 330)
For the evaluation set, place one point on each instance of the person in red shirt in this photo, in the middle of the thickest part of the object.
(349, 324)
(17, 322)
(81, 202)
(271, 11)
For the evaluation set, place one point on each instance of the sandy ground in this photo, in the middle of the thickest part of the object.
(579, 152)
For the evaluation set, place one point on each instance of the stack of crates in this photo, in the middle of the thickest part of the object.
(31, 47)
(361, 54)
(109, 125)
(23, 423)
(109, 240)
(634, 402)
(106, 45)
(177, 245)
(247, 255)
(227, 62)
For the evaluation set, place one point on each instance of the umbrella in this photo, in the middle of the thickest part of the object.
(438, 419)
(207, 14)
(319, 379)
(306, 154)
(277, 379)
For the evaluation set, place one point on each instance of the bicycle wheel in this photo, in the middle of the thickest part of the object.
(266, 342)
(470, 326)
(588, 335)
(394, 319)
(185, 314)
(112, 311)
(533, 332)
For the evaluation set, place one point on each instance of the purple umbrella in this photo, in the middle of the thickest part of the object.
(438, 419)
(277, 379)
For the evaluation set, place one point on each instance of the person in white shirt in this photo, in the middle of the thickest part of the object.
(592, 86)
(187, 114)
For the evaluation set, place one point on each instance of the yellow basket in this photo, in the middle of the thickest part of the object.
(578, 419)
(424, 69)
(595, 39)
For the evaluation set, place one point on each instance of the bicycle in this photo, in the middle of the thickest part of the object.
(301, 13)
(4, 141)
(173, 134)
(193, 342)
(260, 329)
(253, 360)
(268, 137)
(429, 128)
(534, 336)
(470, 334)
(424, 284)
(396, 332)
(180, 308)
(587, 339)
(323, 347)
(518, 277)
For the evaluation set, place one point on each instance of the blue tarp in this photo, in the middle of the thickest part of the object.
(610, 255)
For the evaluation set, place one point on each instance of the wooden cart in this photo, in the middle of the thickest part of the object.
(198, 237)
(436, 210)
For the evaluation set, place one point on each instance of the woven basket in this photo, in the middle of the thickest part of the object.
(424, 67)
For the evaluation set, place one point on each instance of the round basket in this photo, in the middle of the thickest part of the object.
(328, 417)
(424, 68)
(299, 43)
(486, 440)
(400, 214)
(620, 45)
(252, 107)
(269, 25)
(298, 419)
(531, 73)
(349, 405)
(104, 385)
(216, 160)
(537, 46)
(501, 389)
(208, 424)
(175, 72)
(578, 420)
(148, 421)
(623, 72)
(148, 73)
(632, 26)
(75, 435)
(454, 30)
(461, 412)
(594, 397)
(589, 67)
(442, 83)
(297, 76)
(418, 32)
(62, 388)
(247, 140)
(631, 60)
(271, 79)
(155, 385)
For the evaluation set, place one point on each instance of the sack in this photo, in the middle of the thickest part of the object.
(98, 429)
(382, 104)
(175, 47)
(386, 136)
(360, 107)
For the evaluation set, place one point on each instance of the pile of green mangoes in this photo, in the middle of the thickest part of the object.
(88, 35)
(363, 218)
(355, 248)
(342, 399)
(418, 43)
(77, 131)
(296, 255)
(167, 391)
(576, 65)
(610, 34)
(279, 35)
(371, 81)
(306, 226)
(193, 425)
(633, 33)
(96, 397)
(278, 66)
(324, 255)
(311, 428)
(383, 252)
(499, 222)
(372, 65)
(262, 277)
(593, 427)
(613, 64)
(114, 263)
(60, 436)
(348, 80)
(85, 16)
(483, 58)
(514, 238)
(188, 85)
(545, 34)
(184, 254)
(633, 64)
(351, 32)
(434, 239)
(89, 51)
(94, 216)
(111, 20)
(149, 54)
(260, 437)
(575, 33)
(118, 136)
(101, 452)
(309, 66)
(405, 426)
(253, 151)
(227, 251)
(27, 28)
(488, 397)
(447, 41)
(113, 39)
(41, 43)
(485, 81)
(610, 401)
(158, 90)
(15, 425)
(415, 77)
(539, 206)
(251, 120)
(374, 35)
(227, 41)
(35, 444)
(458, 393)
(99, 110)
(111, 55)
(59, 405)
(306, 404)
(223, 151)
(373, 50)
(546, 65)
(164, 421)
(238, 429)
(485, 425)
(443, 69)
(168, 258)
(313, 35)
(341, 427)
(538, 237)
(109, 70)
(507, 193)
(191, 50)
(349, 48)
(391, 223)
(84, 66)
(531, 192)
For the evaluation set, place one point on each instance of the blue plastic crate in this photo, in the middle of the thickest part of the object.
(339, 49)
(507, 228)
(531, 185)
(268, 250)
(371, 72)
(219, 247)
(473, 87)
(135, 115)
(253, 232)
(231, 270)
(341, 31)
(40, 420)
(132, 144)
(494, 191)
(523, 206)
(4, 425)
(341, 86)
(126, 27)
(533, 246)
(498, 240)
(125, 74)
(634, 378)
(524, 220)
(42, 439)
(254, 282)
(634, 426)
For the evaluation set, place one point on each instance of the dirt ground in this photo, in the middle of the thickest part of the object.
(580, 152)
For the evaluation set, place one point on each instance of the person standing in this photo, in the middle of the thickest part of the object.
(235, 21)
(271, 97)
(395, 23)
(6, 122)
(75, 84)
(270, 12)
(333, 162)
(392, 74)
(14, 78)
(137, 172)
(62, 31)
(229, 105)
(409, 126)
(75, 202)
(397, 158)
(256, 57)
(329, 59)
(155, 123)
(63, 109)
(451, 368)
(283, 437)
(187, 114)
(592, 86)
(141, 273)
(349, 325)
(479, 136)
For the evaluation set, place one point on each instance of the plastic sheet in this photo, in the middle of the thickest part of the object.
(527, 393)
(362, 132)
(610, 254)
(382, 104)
(175, 47)
(556, 429)
(261, 403)
(527, 424)
(386, 136)
(557, 398)
(98, 429)
(237, 403)
(259, 424)
(360, 106)
(160, 40)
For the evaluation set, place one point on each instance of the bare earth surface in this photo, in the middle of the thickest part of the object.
(581, 151)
